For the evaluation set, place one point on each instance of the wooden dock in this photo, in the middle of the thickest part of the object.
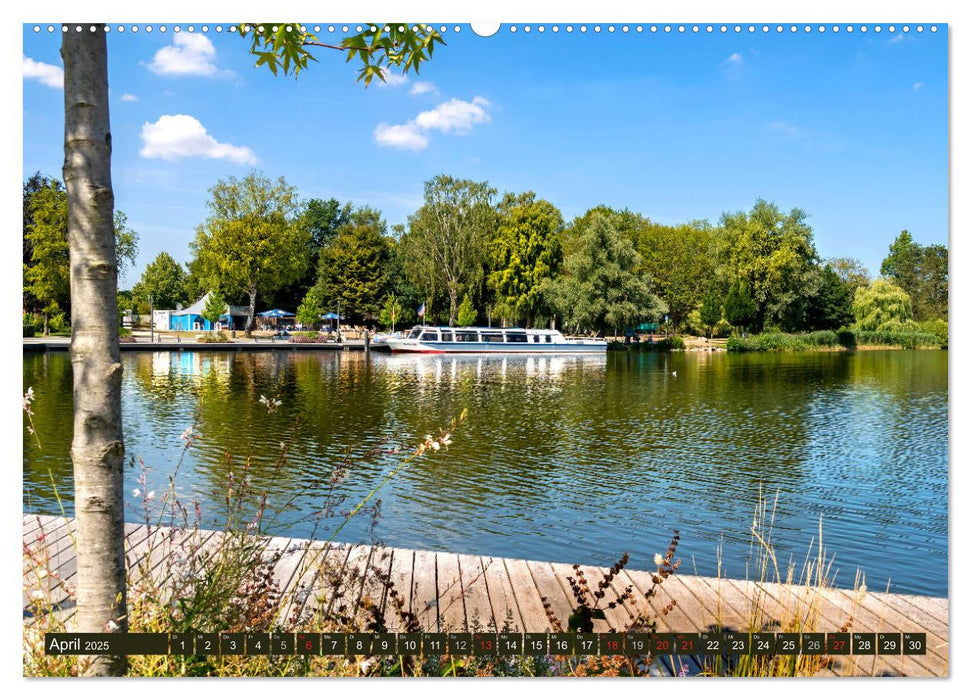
(459, 592)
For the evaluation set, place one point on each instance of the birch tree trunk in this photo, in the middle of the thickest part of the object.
(97, 450)
(252, 313)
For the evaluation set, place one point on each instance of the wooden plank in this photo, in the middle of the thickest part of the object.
(400, 581)
(528, 598)
(424, 600)
(508, 617)
(451, 597)
(558, 599)
(478, 607)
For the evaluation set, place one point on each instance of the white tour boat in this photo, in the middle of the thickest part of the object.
(492, 340)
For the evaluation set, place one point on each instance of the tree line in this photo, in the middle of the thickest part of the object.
(470, 256)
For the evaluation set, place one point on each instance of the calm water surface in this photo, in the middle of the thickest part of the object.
(563, 459)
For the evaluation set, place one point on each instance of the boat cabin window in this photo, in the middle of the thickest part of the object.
(515, 337)
(415, 332)
(549, 338)
(446, 336)
(466, 337)
(492, 338)
(429, 335)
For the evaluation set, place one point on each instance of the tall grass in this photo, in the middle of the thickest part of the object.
(844, 338)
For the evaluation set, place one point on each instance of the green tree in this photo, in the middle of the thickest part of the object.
(215, 307)
(354, 267)
(773, 254)
(832, 305)
(931, 301)
(467, 315)
(126, 243)
(164, 279)
(902, 264)
(252, 240)
(33, 184)
(601, 289)
(851, 271)
(395, 313)
(711, 311)
(526, 254)
(678, 262)
(322, 218)
(310, 309)
(921, 271)
(47, 277)
(879, 304)
(740, 308)
(446, 246)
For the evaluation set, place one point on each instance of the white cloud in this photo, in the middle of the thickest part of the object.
(734, 59)
(407, 136)
(392, 79)
(128, 97)
(189, 54)
(454, 116)
(918, 85)
(176, 136)
(48, 74)
(422, 88)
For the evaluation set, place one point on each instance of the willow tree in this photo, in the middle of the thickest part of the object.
(97, 449)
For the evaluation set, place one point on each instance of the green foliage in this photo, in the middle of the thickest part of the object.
(214, 338)
(850, 271)
(447, 243)
(710, 312)
(526, 254)
(740, 308)
(215, 307)
(395, 313)
(126, 243)
(880, 303)
(284, 46)
(773, 254)
(898, 335)
(601, 290)
(922, 273)
(165, 280)
(354, 266)
(252, 240)
(467, 315)
(47, 277)
(831, 307)
(937, 328)
(678, 262)
(310, 309)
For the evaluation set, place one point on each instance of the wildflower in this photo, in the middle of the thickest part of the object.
(446, 439)
(436, 446)
(136, 493)
(150, 496)
(658, 560)
(111, 626)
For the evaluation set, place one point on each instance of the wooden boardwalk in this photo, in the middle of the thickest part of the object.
(458, 592)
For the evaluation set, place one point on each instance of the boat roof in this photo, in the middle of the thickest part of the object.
(491, 329)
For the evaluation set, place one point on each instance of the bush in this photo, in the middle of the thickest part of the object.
(213, 338)
(307, 338)
(938, 328)
(33, 324)
(907, 339)
(846, 337)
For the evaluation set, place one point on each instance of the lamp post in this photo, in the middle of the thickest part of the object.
(151, 318)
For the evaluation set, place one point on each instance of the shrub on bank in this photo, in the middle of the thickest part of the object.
(308, 338)
(213, 338)
(903, 337)
(674, 342)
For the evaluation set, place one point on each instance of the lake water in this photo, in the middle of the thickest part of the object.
(563, 458)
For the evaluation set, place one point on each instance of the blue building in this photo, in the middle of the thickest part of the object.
(190, 318)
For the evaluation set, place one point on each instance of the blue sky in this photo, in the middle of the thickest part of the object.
(851, 128)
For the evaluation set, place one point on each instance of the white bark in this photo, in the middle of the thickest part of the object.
(98, 449)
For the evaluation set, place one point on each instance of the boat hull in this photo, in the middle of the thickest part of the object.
(439, 347)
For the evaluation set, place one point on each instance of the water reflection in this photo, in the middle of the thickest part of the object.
(569, 458)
